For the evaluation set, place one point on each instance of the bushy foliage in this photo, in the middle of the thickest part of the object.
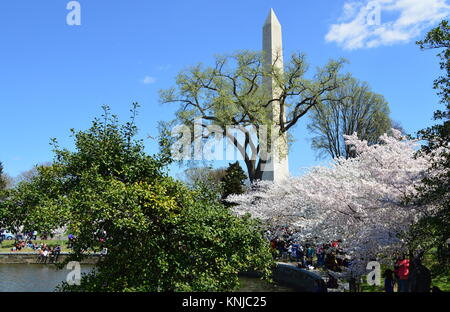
(160, 235)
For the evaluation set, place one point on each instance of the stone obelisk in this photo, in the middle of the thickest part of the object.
(277, 168)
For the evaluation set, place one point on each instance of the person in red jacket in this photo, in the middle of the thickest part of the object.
(402, 273)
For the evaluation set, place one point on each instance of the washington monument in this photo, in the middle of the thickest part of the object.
(277, 168)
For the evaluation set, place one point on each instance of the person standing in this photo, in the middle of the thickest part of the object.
(310, 255)
(70, 237)
(402, 272)
(295, 254)
(419, 277)
(320, 255)
(301, 256)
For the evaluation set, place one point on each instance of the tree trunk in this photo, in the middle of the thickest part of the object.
(254, 172)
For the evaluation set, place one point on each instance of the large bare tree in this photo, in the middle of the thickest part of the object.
(351, 108)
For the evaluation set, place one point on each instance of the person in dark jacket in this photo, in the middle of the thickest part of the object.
(389, 280)
(419, 277)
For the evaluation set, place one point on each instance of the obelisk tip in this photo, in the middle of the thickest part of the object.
(272, 18)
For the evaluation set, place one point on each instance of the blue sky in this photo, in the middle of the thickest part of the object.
(54, 77)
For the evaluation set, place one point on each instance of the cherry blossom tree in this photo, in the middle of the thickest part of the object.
(362, 201)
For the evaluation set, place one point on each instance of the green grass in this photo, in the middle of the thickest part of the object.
(367, 288)
(440, 276)
(443, 282)
(8, 244)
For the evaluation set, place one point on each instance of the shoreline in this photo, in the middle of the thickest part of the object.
(32, 258)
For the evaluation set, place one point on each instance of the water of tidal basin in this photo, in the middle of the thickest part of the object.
(45, 278)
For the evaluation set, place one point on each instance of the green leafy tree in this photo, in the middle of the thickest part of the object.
(351, 108)
(434, 230)
(439, 39)
(30, 206)
(2, 178)
(233, 93)
(234, 180)
(160, 235)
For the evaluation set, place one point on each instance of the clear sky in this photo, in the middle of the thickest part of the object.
(54, 77)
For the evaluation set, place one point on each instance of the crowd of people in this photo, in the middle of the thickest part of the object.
(309, 256)
(49, 254)
(327, 256)
(22, 244)
(46, 253)
(330, 257)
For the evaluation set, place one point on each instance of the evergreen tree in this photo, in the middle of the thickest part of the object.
(234, 180)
